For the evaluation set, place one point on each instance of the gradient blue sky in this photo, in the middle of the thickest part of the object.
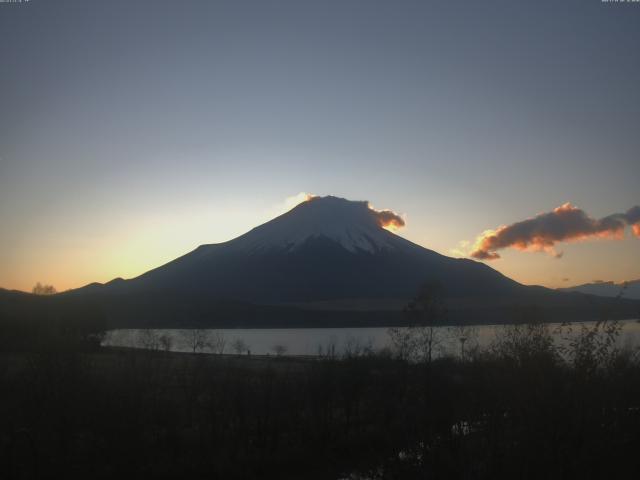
(133, 131)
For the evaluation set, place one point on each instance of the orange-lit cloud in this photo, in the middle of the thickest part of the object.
(564, 224)
(388, 219)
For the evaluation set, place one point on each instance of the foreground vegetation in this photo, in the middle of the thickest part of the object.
(521, 409)
(526, 407)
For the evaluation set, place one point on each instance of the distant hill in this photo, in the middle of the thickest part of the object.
(629, 289)
(31, 322)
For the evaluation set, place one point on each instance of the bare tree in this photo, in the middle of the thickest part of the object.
(328, 351)
(594, 345)
(356, 347)
(217, 342)
(196, 339)
(239, 346)
(425, 311)
(165, 342)
(148, 339)
(279, 350)
(403, 342)
(40, 289)
(467, 338)
(527, 342)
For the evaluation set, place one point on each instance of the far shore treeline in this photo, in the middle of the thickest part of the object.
(29, 320)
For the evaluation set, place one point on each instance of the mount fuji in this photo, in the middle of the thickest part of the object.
(326, 260)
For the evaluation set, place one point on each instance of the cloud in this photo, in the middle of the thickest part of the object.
(295, 200)
(387, 218)
(462, 250)
(564, 224)
(287, 204)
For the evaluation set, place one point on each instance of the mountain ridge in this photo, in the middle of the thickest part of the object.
(629, 289)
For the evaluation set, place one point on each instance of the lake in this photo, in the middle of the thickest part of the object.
(323, 341)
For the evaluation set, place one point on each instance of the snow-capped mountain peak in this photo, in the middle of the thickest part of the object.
(352, 224)
(324, 249)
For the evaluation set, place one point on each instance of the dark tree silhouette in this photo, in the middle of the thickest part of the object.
(40, 289)
(425, 311)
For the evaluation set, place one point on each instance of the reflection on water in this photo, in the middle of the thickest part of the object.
(319, 341)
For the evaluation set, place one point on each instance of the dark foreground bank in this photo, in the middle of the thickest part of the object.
(518, 410)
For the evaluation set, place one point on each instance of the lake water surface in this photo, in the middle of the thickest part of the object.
(323, 341)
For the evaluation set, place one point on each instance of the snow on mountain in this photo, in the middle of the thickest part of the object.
(351, 224)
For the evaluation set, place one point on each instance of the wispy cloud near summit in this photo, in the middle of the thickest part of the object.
(385, 218)
(388, 219)
(566, 223)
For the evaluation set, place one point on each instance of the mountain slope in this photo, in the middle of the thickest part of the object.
(327, 248)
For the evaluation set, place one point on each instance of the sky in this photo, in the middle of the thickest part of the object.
(133, 131)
